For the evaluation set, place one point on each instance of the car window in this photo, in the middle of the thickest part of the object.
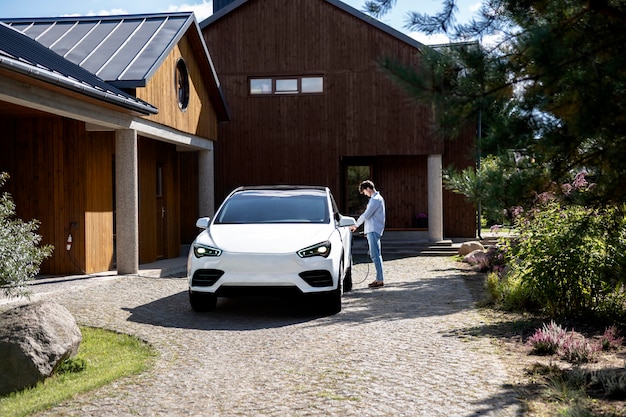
(274, 207)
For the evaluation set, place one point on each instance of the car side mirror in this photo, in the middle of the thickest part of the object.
(203, 222)
(346, 221)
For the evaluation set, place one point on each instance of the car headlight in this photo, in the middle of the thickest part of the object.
(202, 250)
(320, 249)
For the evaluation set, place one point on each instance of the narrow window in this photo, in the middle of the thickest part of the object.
(312, 85)
(287, 86)
(260, 86)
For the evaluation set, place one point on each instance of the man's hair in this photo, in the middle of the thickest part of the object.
(366, 184)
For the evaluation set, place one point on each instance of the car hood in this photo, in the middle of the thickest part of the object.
(265, 238)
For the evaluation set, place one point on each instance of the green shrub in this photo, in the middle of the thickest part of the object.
(20, 255)
(571, 260)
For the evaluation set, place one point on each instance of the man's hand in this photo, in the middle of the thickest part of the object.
(352, 228)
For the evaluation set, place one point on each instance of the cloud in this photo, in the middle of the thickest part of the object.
(201, 10)
(429, 39)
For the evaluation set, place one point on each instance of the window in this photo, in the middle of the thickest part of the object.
(287, 85)
(181, 81)
(312, 85)
(260, 86)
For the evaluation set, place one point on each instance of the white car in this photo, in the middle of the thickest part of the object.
(273, 240)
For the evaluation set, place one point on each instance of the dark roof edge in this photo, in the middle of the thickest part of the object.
(181, 33)
(224, 113)
(70, 84)
(337, 3)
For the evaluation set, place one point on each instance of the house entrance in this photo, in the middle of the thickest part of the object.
(353, 174)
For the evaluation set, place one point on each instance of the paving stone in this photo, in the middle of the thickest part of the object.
(401, 350)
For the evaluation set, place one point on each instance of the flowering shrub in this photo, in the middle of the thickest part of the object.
(547, 340)
(609, 340)
(577, 349)
(573, 347)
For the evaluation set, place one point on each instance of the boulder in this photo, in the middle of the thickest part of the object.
(477, 257)
(469, 247)
(34, 339)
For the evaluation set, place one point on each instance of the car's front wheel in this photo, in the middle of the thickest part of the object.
(347, 280)
(331, 302)
(201, 301)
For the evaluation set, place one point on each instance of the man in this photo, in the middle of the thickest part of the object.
(374, 219)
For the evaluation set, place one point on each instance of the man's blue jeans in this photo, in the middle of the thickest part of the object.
(373, 241)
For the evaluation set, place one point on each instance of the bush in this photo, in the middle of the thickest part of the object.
(547, 341)
(20, 255)
(609, 339)
(572, 259)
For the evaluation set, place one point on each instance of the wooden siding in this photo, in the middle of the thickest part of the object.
(303, 139)
(460, 215)
(188, 169)
(199, 118)
(60, 175)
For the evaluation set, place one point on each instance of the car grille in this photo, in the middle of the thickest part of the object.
(206, 277)
(318, 278)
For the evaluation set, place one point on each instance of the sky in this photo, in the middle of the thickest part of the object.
(204, 8)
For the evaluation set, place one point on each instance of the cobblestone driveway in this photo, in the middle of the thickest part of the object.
(404, 350)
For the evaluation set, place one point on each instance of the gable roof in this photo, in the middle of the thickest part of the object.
(21, 54)
(124, 50)
(337, 3)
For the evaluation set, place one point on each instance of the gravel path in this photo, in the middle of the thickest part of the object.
(404, 350)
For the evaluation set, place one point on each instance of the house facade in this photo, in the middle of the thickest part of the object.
(311, 105)
(108, 131)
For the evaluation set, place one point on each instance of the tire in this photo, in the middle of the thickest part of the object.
(331, 302)
(202, 302)
(347, 280)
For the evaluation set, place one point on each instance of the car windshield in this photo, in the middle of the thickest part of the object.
(281, 206)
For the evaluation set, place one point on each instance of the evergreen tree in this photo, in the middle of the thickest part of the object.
(553, 85)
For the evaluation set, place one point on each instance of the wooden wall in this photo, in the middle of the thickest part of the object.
(302, 139)
(62, 176)
(189, 202)
(199, 118)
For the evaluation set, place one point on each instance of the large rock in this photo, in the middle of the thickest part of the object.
(469, 247)
(34, 339)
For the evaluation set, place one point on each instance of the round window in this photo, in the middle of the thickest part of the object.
(182, 84)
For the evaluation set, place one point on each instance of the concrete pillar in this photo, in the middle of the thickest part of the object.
(435, 199)
(127, 201)
(206, 184)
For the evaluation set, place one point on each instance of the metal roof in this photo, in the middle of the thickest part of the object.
(122, 50)
(21, 54)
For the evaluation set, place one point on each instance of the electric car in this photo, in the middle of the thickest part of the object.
(272, 240)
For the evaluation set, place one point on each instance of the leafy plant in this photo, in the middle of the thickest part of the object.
(20, 255)
(572, 259)
(613, 383)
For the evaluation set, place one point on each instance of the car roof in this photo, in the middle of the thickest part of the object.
(282, 187)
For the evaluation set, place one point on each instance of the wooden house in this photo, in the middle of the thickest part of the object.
(108, 125)
(311, 105)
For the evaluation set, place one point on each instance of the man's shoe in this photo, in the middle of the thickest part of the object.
(376, 284)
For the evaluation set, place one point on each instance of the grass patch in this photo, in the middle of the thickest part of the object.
(106, 355)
